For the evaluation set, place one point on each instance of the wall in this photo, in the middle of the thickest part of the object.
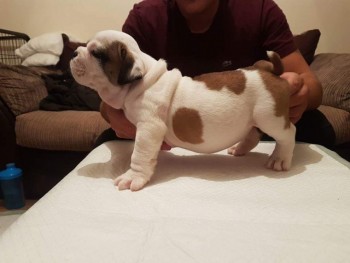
(79, 18)
(82, 18)
(332, 17)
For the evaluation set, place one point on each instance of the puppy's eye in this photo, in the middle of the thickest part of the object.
(99, 55)
(123, 53)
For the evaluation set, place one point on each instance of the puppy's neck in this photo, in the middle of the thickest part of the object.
(114, 97)
(155, 69)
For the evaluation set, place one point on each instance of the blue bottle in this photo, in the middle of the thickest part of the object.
(12, 187)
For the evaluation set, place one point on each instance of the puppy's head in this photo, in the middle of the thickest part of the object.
(110, 59)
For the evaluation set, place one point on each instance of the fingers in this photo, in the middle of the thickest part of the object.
(298, 95)
(103, 111)
(165, 147)
(298, 104)
(295, 114)
(125, 131)
(296, 82)
(120, 124)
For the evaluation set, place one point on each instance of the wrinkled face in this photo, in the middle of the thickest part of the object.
(109, 59)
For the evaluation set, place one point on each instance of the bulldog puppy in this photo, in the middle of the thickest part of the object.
(206, 114)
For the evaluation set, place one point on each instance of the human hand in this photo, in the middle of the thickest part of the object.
(122, 126)
(119, 123)
(298, 95)
(165, 147)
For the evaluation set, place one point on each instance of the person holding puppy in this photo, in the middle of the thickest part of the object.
(201, 36)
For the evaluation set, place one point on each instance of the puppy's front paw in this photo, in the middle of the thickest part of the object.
(281, 158)
(279, 163)
(130, 180)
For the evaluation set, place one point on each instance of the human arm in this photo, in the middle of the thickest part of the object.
(120, 124)
(305, 89)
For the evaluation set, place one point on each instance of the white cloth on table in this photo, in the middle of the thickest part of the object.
(197, 208)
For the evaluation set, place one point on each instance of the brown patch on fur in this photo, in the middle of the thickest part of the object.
(274, 66)
(116, 62)
(264, 65)
(188, 126)
(233, 80)
(279, 89)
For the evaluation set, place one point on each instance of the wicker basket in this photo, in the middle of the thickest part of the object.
(9, 42)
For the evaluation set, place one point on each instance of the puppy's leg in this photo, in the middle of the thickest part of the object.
(284, 134)
(249, 142)
(149, 138)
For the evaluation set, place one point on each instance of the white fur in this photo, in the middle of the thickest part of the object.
(150, 103)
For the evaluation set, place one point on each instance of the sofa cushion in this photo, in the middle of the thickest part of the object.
(22, 88)
(307, 43)
(340, 121)
(333, 71)
(61, 130)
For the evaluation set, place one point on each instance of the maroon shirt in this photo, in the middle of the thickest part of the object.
(241, 33)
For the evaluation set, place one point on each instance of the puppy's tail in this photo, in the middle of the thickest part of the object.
(274, 66)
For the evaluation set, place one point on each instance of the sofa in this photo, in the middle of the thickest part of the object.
(48, 144)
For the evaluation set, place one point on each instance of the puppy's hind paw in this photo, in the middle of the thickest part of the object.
(130, 180)
(236, 151)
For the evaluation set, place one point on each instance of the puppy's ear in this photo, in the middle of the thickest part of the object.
(128, 71)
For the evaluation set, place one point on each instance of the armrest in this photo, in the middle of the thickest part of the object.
(333, 71)
(7, 134)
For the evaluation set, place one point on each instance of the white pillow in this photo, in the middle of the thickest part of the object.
(41, 59)
(51, 43)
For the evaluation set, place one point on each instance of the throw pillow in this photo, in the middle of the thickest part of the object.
(307, 43)
(50, 43)
(41, 59)
(21, 88)
(333, 71)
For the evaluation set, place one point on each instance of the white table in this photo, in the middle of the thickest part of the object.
(198, 208)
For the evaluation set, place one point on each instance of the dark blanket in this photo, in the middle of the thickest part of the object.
(66, 94)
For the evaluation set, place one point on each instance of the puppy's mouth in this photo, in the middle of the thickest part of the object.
(77, 68)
